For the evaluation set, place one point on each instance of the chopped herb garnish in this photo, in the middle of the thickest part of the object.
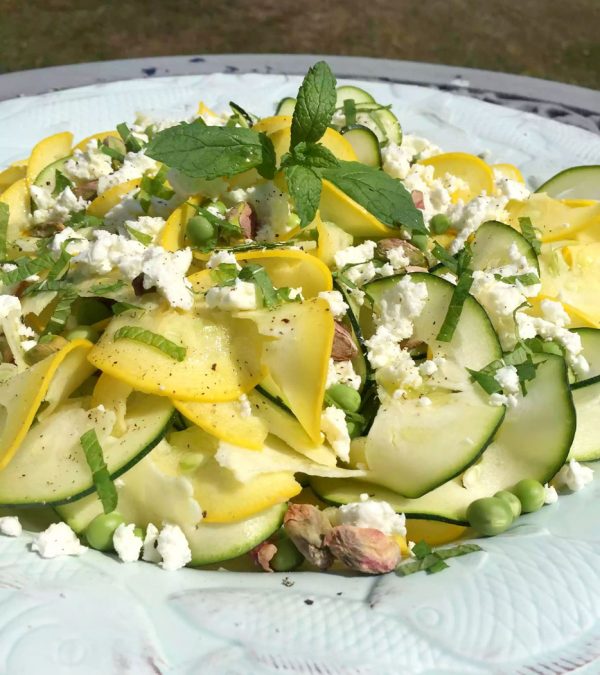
(350, 112)
(151, 339)
(457, 301)
(131, 142)
(4, 217)
(432, 560)
(120, 307)
(61, 265)
(27, 267)
(142, 237)
(103, 289)
(103, 483)
(81, 219)
(528, 279)
(62, 310)
(485, 380)
(225, 274)
(112, 152)
(528, 232)
(258, 276)
(61, 182)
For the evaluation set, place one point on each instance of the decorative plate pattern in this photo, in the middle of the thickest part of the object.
(529, 604)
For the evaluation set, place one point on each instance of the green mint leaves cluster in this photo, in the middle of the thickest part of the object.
(209, 152)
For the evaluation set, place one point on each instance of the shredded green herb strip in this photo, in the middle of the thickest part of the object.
(457, 301)
(62, 310)
(258, 276)
(94, 456)
(528, 232)
(120, 307)
(151, 339)
(4, 217)
(81, 219)
(102, 289)
(61, 182)
(529, 279)
(143, 238)
(486, 381)
(349, 112)
(131, 142)
(432, 560)
(61, 266)
(27, 267)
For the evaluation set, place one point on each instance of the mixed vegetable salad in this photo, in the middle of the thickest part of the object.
(304, 338)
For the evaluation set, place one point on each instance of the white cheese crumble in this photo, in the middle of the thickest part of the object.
(135, 165)
(245, 406)
(242, 295)
(127, 544)
(342, 372)
(575, 476)
(173, 548)
(428, 368)
(550, 494)
(373, 514)
(437, 193)
(129, 208)
(424, 401)
(336, 303)
(222, 258)
(89, 164)
(508, 378)
(360, 259)
(10, 526)
(55, 209)
(59, 539)
(149, 226)
(397, 259)
(333, 425)
(399, 305)
(397, 159)
(467, 218)
(510, 188)
(20, 338)
(149, 552)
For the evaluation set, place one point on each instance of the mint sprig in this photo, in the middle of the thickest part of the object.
(315, 105)
(209, 152)
(304, 186)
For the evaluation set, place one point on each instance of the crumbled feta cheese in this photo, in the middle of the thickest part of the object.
(127, 544)
(398, 259)
(129, 208)
(15, 331)
(336, 303)
(10, 526)
(173, 547)
(371, 513)
(333, 425)
(555, 313)
(398, 158)
(428, 368)
(150, 226)
(509, 188)
(467, 218)
(295, 294)
(149, 553)
(508, 378)
(437, 192)
(399, 305)
(59, 539)
(74, 247)
(359, 260)
(135, 165)
(245, 406)
(242, 295)
(222, 258)
(575, 476)
(550, 494)
(424, 401)
(55, 209)
(342, 372)
(108, 251)
(167, 271)
(89, 164)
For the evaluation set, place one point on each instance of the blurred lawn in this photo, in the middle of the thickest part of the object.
(554, 39)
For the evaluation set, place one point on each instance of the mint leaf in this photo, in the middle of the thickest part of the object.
(311, 155)
(457, 301)
(529, 233)
(268, 166)
(211, 152)
(103, 483)
(381, 195)
(304, 187)
(151, 339)
(4, 215)
(315, 105)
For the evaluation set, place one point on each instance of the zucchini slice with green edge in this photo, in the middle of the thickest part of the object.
(492, 243)
(46, 178)
(50, 466)
(411, 448)
(364, 143)
(530, 444)
(286, 106)
(381, 120)
(147, 494)
(360, 363)
(348, 92)
(577, 182)
(586, 396)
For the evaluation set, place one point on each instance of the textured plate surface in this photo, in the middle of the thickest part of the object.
(529, 604)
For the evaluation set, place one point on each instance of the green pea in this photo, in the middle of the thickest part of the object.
(288, 557)
(354, 428)
(439, 224)
(99, 533)
(421, 241)
(83, 333)
(345, 397)
(489, 516)
(512, 500)
(200, 230)
(530, 493)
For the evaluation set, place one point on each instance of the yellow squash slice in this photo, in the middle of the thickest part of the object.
(509, 171)
(113, 196)
(48, 150)
(82, 145)
(470, 168)
(332, 140)
(269, 125)
(332, 239)
(226, 421)
(297, 356)
(222, 359)
(16, 197)
(223, 498)
(12, 174)
(113, 395)
(172, 237)
(22, 395)
(554, 219)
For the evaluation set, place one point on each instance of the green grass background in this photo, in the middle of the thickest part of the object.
(554, 39)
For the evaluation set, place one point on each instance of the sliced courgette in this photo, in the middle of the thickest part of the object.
(577, 182)
(47, 176)
(413, 448)
(381, 120)
(286, 106)
(349, 92)
(50, 467)
(492, 243)
(365, 144)
(530, 444)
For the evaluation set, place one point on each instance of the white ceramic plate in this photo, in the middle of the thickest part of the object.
(530, 604)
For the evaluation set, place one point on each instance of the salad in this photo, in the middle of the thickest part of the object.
(304, 339)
